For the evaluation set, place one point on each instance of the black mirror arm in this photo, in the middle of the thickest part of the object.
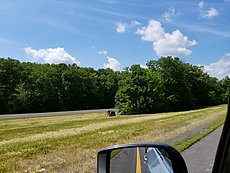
(178, 163)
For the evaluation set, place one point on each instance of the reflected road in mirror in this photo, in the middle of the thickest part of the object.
(140, 160)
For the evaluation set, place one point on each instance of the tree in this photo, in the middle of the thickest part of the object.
(175, 86)
(225, 86)
(167, 84)
(10, 77)
(136, 92)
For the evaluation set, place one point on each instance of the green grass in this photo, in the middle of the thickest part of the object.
(189, 140)
(70, 143)
(115, 152)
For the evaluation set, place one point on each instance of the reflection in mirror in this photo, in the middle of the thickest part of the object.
(140, 160)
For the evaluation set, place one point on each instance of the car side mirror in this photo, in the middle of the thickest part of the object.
(140, 158)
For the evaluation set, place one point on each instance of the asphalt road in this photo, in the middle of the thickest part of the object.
(124, 161)
(129, 160)
(13, 116)
(138, 160)
(200, 157)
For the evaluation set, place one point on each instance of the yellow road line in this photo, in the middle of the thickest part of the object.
(138, 161)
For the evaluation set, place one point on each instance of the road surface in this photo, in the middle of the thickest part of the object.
(200, 157)
(124, 161)
(12, 116)
(139, 160)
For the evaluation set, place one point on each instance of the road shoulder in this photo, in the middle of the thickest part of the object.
(200, 156)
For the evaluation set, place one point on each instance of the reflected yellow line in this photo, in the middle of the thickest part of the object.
(138, 161)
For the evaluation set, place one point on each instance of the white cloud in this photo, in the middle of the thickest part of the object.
(170, 14)
(174, 44)
(135, 23)
(102, 52)
(51, 55)
(201, 4)
(121, 27)
(165, 44)
(207, 14)
(153, 32)
(143, 66)
(221, 68)
(212, 12)
(113, 64)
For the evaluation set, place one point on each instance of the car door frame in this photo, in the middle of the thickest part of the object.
(224, 146)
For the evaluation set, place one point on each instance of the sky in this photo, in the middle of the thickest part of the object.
(117, 33)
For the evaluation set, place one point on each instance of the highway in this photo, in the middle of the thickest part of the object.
(45, 114)
(200, 157)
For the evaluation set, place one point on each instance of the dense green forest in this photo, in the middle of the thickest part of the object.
(167, 84)
(30, 87)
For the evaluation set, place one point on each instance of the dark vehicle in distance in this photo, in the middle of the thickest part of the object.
(111, 113)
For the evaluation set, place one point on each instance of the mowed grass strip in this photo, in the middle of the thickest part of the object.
(73, 149)
(19, 128)
(10, 129)
(210, 126)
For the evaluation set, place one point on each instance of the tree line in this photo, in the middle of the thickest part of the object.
(167, 84)
(31, 87)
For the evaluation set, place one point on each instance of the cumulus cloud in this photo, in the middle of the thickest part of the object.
(212, 12)
(207, 13)
(153, 32)
(122, 27)
(102, 52)
(164, 44)
(135, 23)
(169, 15)
(221, 68)
(143, 66)
(201, 4)
(112, 63)
(51, 55)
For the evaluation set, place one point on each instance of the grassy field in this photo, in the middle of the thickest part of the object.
(70, 143)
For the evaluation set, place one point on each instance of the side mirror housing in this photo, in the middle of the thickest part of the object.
(140, 157)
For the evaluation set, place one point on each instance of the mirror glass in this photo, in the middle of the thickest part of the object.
(140, 160)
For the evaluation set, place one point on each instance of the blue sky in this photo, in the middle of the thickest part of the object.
(117, 33)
